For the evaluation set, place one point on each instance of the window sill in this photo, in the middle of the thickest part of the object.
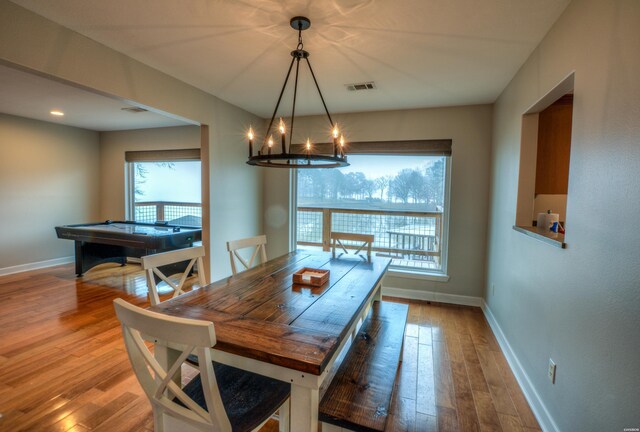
(435, 277)
(550, 238)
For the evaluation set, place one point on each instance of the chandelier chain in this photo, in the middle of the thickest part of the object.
(275, 110)
(295, 93)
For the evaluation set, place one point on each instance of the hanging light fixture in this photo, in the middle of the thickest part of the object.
(267, 155)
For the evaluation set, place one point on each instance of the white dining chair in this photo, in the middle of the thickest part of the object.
(258, 242)
(337, 239)
(219, 398)
(151, 264)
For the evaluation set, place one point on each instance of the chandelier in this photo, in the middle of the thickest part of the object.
(267, 156)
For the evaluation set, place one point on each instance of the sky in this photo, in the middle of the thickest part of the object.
(383, 165)
(181, 182)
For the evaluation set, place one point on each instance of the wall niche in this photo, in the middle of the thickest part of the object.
(545, 152)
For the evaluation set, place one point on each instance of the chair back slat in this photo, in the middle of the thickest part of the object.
(151, 264)
(158, 384)
(233, 247)
(366, 240)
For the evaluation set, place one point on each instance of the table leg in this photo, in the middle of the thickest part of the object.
(378, 294)
(304, 409)
(167, 357)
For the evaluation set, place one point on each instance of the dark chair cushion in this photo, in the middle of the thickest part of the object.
(192, 359)
(249, 399)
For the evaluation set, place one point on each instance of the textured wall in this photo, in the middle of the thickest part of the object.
(578, 306)
(48, 177)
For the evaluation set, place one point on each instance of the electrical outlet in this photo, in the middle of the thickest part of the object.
(552, 372)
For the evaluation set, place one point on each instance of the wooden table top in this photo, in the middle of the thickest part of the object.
(261, 314)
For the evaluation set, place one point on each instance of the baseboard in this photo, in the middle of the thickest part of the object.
(535, 402)
(432, 296)
(36, 265)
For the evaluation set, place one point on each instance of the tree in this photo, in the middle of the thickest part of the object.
(332, 179)
(369, 187)
(435, 182)
(140, 176)
(400, 186)
(354, 185)
(417, 186)
(382, 183)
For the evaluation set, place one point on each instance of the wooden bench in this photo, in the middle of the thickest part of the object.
(359, 395)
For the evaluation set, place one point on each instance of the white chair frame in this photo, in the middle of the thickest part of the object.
(150, 264)
(366, 239)
(259, 242)
(158, 384)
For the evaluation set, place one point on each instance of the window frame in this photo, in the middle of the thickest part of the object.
(395, 271)
(133, 157)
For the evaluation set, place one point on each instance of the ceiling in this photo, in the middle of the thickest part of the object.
(419, 53)
(26, 95)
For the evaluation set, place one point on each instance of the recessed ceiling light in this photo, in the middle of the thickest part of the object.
(56, 113)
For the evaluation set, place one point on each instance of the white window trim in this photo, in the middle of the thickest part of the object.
(129, 187)
(129, 195)
(293, 209)
(416, 274)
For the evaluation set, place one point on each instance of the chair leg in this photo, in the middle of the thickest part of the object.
(283, 414)
(158, 420)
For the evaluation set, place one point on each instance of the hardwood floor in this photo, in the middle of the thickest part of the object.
(63, 366)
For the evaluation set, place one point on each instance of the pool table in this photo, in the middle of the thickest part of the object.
(114, 241)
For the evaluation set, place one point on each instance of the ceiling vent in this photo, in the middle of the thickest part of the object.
(134, 110)
(361, 86)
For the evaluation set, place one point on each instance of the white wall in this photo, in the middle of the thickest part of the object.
(580, 305)
(49, 176)
(113, 146)
(37, 44)
(470, 129)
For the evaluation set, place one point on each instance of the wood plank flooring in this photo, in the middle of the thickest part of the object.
(63, 366)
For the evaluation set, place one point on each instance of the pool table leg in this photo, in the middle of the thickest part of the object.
(79, 270)
(89, 255)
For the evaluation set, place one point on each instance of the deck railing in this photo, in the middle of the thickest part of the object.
(153, 211)
(412, 239)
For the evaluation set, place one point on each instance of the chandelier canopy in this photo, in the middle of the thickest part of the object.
(266, 156)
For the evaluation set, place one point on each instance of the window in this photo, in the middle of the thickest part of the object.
(399, 199)
(163, 187)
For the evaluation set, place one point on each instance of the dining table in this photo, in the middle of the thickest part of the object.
(267, 324)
